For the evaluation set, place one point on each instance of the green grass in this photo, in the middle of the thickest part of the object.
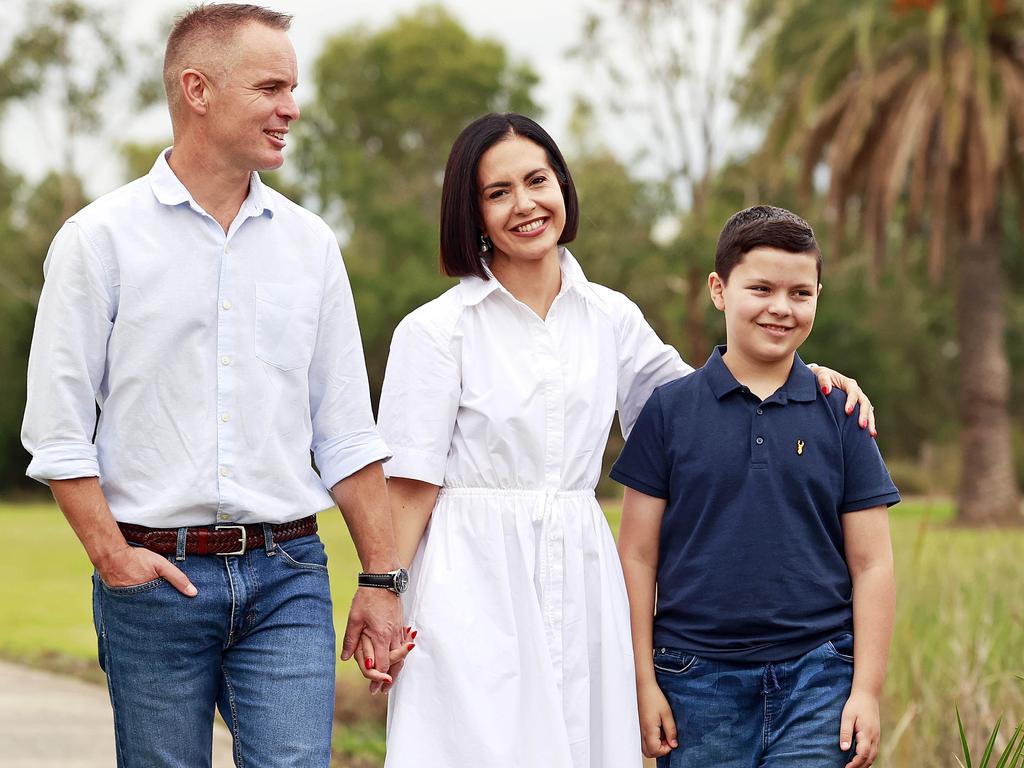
(959, 637)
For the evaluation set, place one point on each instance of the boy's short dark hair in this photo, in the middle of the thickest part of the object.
(460, 198)
(763, 226)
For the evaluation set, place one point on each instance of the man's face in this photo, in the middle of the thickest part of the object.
(769, 303)
(251, 105)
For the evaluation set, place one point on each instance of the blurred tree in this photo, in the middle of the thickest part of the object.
(916, 110)
(70, 54)
(681, 61)
(373, 146)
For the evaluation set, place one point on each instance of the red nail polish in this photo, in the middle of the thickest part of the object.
(863, 423)
(410, 646)
(824, 390)
(849, 410)
(408, 630)
(369, 663)
(874, 433)
(413, 635)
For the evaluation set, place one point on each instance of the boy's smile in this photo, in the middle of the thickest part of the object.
(769, 304)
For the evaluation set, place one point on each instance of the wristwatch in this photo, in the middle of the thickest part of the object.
(396, 581)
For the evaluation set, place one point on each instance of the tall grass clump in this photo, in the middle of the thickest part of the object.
(958, 639)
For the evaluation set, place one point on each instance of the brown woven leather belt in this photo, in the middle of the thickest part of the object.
(215, 539)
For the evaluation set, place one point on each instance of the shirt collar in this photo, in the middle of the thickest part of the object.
(168, 189)
(801, 386)
(475, 289)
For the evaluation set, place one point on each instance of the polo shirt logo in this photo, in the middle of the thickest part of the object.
(799, 447)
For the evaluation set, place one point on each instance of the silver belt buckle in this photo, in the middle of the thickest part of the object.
(241, 533)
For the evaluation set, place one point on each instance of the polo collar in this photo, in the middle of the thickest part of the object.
(801, 386)
(475, 289)
(169, 190)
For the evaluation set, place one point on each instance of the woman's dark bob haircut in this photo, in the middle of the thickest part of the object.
(460, 195)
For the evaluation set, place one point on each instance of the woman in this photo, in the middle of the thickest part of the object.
(497, 402)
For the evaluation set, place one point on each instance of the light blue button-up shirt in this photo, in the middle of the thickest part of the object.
(218, 361)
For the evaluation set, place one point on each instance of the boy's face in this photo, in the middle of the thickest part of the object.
(769, 303)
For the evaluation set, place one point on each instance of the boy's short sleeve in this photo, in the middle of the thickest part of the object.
(867, 482)
(644, 464)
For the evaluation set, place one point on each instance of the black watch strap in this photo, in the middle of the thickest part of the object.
(380, 580)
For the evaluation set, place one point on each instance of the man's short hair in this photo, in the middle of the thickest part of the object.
(763, 226)
(208, 27)
(460, 193)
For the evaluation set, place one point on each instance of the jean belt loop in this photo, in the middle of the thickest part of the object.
(180, 554)
(268, 539)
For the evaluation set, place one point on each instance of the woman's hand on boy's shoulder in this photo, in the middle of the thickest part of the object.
(829, 380)
(860, 724)
(657, 726)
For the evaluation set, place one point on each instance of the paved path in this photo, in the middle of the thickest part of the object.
(51, 721)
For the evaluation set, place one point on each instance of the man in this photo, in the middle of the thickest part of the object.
(212, 321)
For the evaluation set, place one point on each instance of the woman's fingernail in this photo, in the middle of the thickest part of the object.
(410, 646)
(824, 390)
(369, 663)
(413, 635)
(408, 630)
(863, 423)
(849, 410)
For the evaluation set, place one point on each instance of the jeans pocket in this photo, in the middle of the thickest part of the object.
(285, 325)
(841, 647)
(673, 661)
(306, 552)
(131, 589)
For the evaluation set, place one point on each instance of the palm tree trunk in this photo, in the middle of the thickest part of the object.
(988, 486)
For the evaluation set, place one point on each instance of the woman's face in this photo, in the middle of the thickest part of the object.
(521, 201)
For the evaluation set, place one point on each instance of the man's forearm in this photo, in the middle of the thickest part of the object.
(363, 499)
(85, 507)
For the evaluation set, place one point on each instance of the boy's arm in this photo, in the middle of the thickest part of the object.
(869, 557)
(638, 550)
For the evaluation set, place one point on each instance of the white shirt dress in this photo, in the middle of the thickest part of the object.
(523, 656)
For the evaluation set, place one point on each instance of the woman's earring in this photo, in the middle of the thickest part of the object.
(485, 243)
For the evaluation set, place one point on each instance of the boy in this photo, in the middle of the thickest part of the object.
(759, 512)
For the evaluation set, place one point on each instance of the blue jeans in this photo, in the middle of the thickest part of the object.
(257, 642)
(783, 714)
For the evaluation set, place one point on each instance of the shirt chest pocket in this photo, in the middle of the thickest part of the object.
(286, 319)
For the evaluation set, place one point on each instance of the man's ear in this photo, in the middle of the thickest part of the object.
(195, 90)
(716, 287)
(820, 286)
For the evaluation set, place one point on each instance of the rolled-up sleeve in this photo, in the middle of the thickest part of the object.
(68, 358)
(344, 437)
(420, 400)
(645, 362)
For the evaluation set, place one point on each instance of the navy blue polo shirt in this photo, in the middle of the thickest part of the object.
(751, 564)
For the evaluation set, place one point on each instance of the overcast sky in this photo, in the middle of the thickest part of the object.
(536, 32)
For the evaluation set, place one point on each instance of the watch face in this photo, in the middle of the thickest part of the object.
(401, 580)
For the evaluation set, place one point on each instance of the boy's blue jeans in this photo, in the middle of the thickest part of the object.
(784, 714)
(257, 642)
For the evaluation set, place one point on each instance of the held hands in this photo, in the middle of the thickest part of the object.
(657, 726)
(860, 718)
(379, 682)
(376, 633)
(131, 566)
(829, 379)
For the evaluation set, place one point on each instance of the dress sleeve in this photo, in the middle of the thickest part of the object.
(68, 359)
(420, 399)
(645, 362)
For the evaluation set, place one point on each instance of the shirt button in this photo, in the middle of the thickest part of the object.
(226, 304)
(224, 472)
(225, 360)
(225, 417)
(760, 411)
(760, 441)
